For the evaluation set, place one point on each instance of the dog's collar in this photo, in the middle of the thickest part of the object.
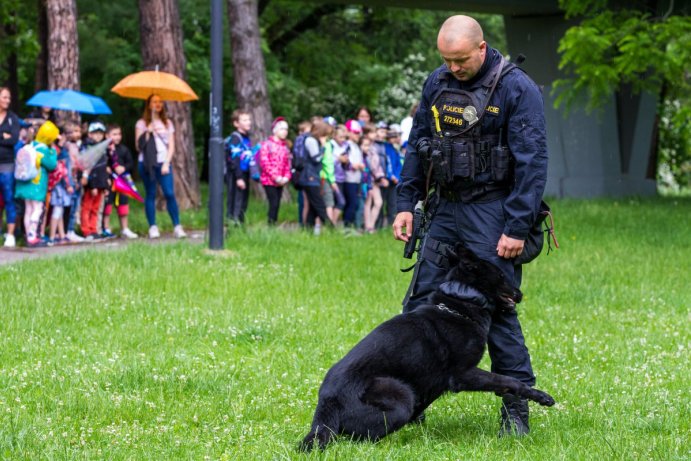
(463, 292)
(444, 308)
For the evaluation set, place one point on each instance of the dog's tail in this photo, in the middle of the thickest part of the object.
(325, 425)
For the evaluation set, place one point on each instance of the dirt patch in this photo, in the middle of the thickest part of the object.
(13, 255)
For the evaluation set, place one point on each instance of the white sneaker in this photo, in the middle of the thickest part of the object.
(73, 237)
(127, 233)
(10, 242)
(179, 232)
(153, 232)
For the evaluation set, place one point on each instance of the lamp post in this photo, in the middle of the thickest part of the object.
(216, 129)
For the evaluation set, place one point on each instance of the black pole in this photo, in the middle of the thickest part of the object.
(216, 122)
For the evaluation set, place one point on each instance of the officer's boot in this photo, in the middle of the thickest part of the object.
(514, 416)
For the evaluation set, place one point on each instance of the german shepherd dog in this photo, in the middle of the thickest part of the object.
(394, 373)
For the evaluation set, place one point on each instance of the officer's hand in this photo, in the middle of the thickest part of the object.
(241, 184)
(509, 247)
(404, 220)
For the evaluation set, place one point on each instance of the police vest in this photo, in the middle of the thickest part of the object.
(459, 150)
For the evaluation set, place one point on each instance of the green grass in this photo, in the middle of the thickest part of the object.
(168, 352)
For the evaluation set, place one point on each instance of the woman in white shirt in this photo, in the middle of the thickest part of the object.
(154, 133)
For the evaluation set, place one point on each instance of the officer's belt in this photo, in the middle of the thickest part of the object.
(478, 194)
(436, 252)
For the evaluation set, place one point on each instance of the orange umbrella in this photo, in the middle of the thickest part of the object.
(143, 84)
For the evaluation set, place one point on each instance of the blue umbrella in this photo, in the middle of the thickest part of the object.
(70, 100)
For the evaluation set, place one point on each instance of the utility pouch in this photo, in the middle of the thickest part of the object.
(463, 160)
(440, 160)
(500, 159)
(543, 225)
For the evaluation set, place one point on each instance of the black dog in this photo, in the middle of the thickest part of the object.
(407, 362)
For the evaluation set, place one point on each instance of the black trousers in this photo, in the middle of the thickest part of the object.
(351, 192)
(317, 207)
(273, 195)
(478, 226)
(237, 199)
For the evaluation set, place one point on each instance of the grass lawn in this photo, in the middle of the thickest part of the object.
(168, 352)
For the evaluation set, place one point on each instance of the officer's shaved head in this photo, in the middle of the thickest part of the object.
(459, 28)
(462, 46)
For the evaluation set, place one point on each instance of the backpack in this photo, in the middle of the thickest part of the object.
(298, 159)
(25, 168)
(254, 166)
(297, 163)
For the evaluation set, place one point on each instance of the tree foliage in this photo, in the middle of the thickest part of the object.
(633, 45)
(321, 59)
(18, 37)
(354, 56)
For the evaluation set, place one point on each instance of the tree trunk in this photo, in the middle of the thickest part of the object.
(161, 45)
(249, 72)
(41, 74)
(251, 89)
(63, 50)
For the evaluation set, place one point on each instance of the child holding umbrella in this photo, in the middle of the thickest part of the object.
(120, 162)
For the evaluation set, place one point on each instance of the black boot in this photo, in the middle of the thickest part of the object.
(514, 416)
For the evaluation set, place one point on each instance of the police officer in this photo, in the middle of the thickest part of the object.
(478, 140)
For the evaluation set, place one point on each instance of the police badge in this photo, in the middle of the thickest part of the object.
(470, 114)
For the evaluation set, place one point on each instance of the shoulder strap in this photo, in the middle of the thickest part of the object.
(497, 76)
(508, 67)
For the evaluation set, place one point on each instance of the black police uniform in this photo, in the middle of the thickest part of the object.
(490, 174)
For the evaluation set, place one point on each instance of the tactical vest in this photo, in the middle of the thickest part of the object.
(459, 151)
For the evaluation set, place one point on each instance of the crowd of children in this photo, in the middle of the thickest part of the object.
(55, 192)
(345, 174)
(56, 181)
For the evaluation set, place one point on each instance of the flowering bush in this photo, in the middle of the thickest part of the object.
(407, 78)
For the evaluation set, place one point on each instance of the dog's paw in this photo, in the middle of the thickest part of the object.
(308, 444)
(542, 398)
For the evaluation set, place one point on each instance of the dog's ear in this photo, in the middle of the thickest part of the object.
(452, 255)
(464, 253)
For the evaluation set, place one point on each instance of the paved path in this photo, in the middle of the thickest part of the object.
(13, 255)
